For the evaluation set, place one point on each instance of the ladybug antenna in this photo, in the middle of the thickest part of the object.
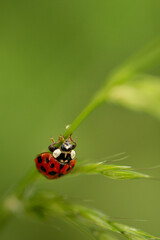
(73, 141)
(70, 138)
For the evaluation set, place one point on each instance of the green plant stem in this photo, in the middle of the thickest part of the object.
(97, 100)
(26, 182)
(16, 195)
(145, 59)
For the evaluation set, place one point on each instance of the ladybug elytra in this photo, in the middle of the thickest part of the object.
(60, 161)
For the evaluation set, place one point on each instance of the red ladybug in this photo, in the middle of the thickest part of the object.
(59, 162)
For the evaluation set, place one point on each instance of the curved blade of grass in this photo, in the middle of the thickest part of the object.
(110, 171)
(141, 94)
(91, 220)
(9, 205)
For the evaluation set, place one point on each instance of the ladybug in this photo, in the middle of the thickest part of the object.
(59, 161)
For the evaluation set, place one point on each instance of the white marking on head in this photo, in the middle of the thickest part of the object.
(67, 146)
(56, 153)
(73, 154)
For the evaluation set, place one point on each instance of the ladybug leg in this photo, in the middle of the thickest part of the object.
(52, 140)
(75, 144)
(52, 147)
(54, 143)
(61, 138)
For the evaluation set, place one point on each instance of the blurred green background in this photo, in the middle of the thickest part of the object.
(54, 55)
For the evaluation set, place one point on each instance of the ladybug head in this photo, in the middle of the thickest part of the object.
(67, 146)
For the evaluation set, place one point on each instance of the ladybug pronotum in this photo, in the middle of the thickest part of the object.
(59, 161)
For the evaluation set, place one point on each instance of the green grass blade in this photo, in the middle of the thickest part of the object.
(91, 220)
(110, 171)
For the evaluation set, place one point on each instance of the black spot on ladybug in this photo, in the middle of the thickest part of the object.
(52, 165)
(47, 160)
(68, 169)
(39, 159)
(60, 175)
(43, 169)
(52, 173)
(61, 166)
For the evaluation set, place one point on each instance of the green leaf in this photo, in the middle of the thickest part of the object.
(141, 94)
(133, 232)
